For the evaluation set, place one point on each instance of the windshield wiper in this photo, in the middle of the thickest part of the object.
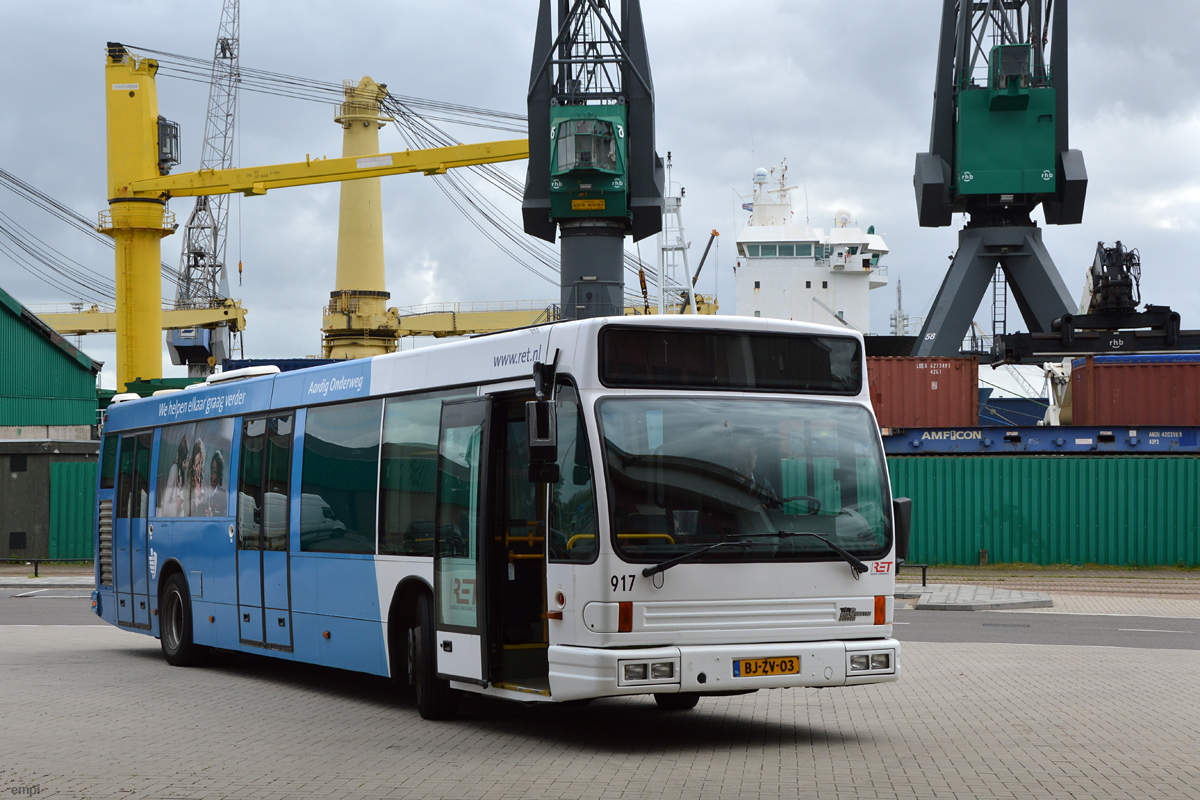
(855, 564)
(663, 566)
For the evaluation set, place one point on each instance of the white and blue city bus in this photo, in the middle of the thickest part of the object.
(676, 506)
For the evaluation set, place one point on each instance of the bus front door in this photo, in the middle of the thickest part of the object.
(264, 467)
(460, 542)
(129, 531)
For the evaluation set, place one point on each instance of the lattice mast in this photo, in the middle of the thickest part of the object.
(204, 281)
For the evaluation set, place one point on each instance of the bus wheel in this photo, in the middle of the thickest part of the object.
(435, 698)
(175, 625)
(681, 701)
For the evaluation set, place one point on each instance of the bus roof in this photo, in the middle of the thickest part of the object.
(490, 358)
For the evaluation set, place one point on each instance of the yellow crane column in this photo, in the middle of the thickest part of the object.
(357, 321)
(137, 224)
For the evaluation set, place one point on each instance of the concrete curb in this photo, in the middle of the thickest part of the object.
(952, 597)
(1008, 605)
(49, 582)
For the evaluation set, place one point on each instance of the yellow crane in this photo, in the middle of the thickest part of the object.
(463, 319)
(357, 323)
(141, 148)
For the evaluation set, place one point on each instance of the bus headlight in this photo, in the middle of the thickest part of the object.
(877, 662)
(662, 670)
(640, 673)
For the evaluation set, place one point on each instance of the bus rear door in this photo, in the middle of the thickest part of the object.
(264, 471)
(129, 530)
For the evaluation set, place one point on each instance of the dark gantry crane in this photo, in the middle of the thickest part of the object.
(998, 148)
(594, 175)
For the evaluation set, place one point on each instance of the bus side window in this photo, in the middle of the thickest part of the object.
(338, 501)
(125, 477)
(108, 462)
(573, 499)
(141, 504)
(250, 495)
(408, 472)
(275, 485)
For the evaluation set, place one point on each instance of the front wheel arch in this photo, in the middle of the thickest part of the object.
(402, 615)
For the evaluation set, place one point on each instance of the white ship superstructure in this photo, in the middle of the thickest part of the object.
(788, 270)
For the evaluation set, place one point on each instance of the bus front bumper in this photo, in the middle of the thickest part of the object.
(578, 673)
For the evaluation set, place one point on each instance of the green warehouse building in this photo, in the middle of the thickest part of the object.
(49, 439)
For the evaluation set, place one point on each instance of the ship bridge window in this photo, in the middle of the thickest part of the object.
(778, 250)
(586, 144)
(854, 250)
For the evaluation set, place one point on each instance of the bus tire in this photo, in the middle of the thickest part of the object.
(175, 625)
(680, 701)
(435, 698)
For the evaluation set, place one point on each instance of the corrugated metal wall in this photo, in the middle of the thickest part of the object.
(1052, 509)
(72, 509)
(39, 383)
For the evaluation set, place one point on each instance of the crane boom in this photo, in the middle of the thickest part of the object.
(141, 148)
(252, 181)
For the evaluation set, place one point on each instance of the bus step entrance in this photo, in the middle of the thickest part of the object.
(540, 686)
(524, 643)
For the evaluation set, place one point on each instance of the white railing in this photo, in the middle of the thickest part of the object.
(479, 306)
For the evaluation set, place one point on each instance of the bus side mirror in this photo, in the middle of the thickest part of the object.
(902, 526)
(541, 425)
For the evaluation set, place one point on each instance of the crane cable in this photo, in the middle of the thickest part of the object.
(417, 131)
(413, 113)
(102, 288)
(198, 69)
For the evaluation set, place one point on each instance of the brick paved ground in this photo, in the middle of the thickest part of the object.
(92, 712)
(1124, 605)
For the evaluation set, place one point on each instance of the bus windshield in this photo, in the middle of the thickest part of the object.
(686, 473)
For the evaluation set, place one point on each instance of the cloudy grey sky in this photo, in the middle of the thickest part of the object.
(841, 88)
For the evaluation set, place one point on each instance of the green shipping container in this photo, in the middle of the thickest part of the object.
(72, 509)
(1112, 510)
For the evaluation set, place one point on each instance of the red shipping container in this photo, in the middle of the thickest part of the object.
(1146, 393)
(924, 392)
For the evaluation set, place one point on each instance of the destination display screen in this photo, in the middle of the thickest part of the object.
(644, 358)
